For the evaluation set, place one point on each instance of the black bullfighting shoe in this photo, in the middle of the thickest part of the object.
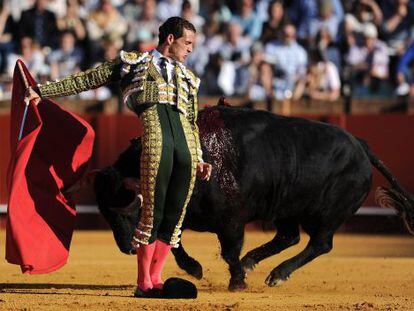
(151, 293)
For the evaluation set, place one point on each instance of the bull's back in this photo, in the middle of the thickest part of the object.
(284, 164)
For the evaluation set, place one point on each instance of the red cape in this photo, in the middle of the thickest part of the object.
(52, 156)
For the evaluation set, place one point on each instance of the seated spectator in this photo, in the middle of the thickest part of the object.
(210, 85)
(72, 22)
(260, 76)
(262, 8)
(236, 55)
(198, 59)
(405, 73)
(250, 23)
(213, 37)
(58, 7)
(272, 28)
(189, 14)
(33, 58)
(145, 41)
(363, 12)
(368, 62)
(106, 23)
(118, 3)
(86, 7)
(6, 87)
(207, 43)
(322, 81)
(145, 28)
(216, 11)
(289, 61)
(67, 59)
(110, 50)
(7, 28)
(132, 10)
(304, 12)
(168, 8)
(236, 45)
(40, 24)
(325, 43)
(326, 20)
(398, 25)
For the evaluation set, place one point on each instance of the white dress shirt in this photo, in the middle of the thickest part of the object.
(156, 59)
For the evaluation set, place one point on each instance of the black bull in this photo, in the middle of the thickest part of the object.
(289, 171)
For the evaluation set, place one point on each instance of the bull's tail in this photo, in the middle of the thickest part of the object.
(396, 196)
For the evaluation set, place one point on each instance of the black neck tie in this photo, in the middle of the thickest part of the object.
(163, 66)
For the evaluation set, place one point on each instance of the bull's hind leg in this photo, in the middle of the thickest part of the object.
(318, 244)
(231, 241)
(287, 235)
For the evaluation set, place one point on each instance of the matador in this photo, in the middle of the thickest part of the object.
(163, 93)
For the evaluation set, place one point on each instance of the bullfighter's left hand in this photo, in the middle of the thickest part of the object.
(204, 170)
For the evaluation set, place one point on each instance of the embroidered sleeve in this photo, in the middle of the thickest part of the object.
(82, 81)
(192, 117)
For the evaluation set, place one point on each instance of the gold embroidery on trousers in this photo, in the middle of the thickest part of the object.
(151, 141)
(192, 147)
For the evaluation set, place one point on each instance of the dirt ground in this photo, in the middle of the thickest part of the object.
(361, 273)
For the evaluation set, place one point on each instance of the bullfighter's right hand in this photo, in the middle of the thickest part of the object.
(31, 95)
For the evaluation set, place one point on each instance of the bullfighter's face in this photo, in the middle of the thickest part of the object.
(179, 48)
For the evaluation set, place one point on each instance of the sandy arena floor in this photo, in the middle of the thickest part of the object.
(361, 273)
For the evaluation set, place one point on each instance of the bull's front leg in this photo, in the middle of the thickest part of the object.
(187, 263)
(231, 240)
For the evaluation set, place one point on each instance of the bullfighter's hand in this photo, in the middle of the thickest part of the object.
(204, 170)
(31, 95)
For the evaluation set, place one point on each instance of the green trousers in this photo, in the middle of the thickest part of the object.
(168, 168)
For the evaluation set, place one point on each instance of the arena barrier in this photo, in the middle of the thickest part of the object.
(389, 135)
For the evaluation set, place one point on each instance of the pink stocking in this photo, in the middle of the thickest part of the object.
(162, 250)
(144, 257)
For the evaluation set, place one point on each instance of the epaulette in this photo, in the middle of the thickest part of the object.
(133, 57)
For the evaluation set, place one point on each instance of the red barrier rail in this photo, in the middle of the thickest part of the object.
(390, 137)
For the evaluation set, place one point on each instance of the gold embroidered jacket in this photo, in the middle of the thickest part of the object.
(141, 85)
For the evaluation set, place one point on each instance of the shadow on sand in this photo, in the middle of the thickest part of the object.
(35, 288)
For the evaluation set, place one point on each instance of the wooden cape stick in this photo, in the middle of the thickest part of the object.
(26, 108)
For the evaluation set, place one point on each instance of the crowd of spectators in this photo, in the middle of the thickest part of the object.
(258, 50)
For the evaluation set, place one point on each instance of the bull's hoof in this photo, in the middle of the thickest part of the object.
(237, 285)
(195, 270)
(274, 279)
(248, 264)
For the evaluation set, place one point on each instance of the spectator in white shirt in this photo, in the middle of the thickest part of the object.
(67, 59)
(368, 61)
(168, 8)
(323, 81)
(33, 58)
(236, 55)
(289, 61)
